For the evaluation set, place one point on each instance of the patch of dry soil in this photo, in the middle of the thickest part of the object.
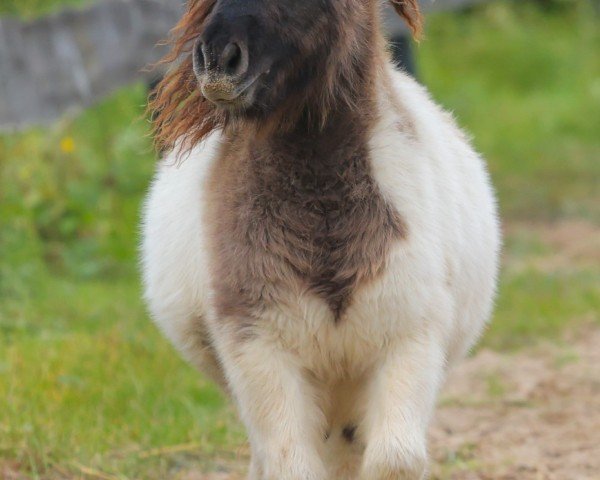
(530, 416)
(568, 244)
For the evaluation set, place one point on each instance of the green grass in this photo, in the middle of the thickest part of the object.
(85, 378)
(528, 88)
(35, 8)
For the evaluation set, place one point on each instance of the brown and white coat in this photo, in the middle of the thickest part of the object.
(324, 259)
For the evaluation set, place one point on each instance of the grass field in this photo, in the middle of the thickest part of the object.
(88, 388)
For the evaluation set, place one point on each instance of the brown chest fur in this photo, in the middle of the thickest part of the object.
(297, 209)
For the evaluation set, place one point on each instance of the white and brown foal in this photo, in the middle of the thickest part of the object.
(321, 239)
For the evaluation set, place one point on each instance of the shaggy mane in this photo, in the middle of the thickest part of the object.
(410, 11)
(181, 115)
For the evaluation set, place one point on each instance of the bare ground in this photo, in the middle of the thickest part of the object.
(529, 416)
(568, 244)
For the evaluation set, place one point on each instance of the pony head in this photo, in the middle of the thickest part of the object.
(266, 60)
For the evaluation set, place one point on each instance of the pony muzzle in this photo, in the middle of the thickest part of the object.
(221, 89)
(220, 69)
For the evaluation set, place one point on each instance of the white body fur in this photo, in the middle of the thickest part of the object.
(380, 368)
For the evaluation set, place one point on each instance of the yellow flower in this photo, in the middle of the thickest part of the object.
(67, 145)
(25, 172)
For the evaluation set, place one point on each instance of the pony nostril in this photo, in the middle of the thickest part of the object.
(231, 59)
(199, 58)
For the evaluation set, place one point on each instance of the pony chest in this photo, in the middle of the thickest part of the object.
(303, 226)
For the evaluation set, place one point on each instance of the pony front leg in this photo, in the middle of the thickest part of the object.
(255, 471)
(276, 404)
(402, 398)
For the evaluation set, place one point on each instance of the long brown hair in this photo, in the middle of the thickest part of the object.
(180, 113)
(410, 11)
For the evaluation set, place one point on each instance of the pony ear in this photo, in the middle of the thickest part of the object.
(410, 11)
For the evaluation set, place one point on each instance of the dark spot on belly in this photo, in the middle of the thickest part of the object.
(349, 433)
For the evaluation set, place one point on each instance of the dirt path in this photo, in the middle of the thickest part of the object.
(530, 416)
(534, 415)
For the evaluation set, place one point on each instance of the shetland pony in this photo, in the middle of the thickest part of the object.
(320, 238)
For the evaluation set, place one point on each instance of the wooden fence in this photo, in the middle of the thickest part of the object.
(70, 60)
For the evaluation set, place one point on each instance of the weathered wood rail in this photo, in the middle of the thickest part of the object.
(70, 60)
